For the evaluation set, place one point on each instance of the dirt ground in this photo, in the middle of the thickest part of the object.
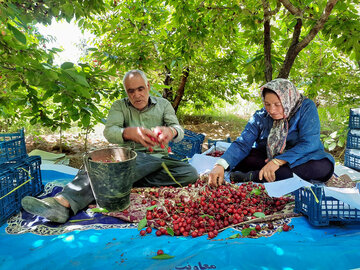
(74, 144)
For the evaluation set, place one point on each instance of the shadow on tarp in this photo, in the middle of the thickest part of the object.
(305, 247)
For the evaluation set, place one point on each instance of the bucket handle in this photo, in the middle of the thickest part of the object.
(86, 161)
(132, 145)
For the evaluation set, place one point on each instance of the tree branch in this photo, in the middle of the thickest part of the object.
(318, 26)
(297, 46)
(181, 89)
(8, 68)
(276, 10)
(291, 8)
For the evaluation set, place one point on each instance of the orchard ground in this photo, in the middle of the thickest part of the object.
(73, 143)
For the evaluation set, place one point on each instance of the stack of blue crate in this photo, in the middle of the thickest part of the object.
(20, 174)
(190, 145)
(352, 152)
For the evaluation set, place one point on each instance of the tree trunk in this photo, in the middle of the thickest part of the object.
(168, 93)
(267, 45)
(292, 52)
(181, 89)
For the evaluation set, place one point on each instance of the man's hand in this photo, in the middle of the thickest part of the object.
(216, 176)
(140, 135)
(268, 171)
(164, 134)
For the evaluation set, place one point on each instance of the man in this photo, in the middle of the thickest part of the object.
(132, 122)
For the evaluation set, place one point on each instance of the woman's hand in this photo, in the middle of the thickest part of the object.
(216, 176)
(268, 171)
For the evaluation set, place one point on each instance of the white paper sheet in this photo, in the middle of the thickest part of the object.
(203, 163)
(350, 196)
(283, 187)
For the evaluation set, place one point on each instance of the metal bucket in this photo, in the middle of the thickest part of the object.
(111, 174)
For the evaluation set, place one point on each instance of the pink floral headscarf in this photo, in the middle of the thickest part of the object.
(291, 101)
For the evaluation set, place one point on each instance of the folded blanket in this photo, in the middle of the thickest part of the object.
(24, 222)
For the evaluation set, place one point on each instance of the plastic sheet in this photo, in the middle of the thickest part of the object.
(304, 247)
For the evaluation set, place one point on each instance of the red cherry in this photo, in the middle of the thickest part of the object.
(160, 252)
(286, 227)
(148, 230)
(142, 232)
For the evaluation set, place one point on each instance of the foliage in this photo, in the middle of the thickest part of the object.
(196, 52)
(32, 86)
(334, 127)
(222, 46)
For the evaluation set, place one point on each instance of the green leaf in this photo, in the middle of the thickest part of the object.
(256, 191)
(332, 146)
(170, 231)
(84, 92)
(246, 231)
(162, 257)
(85, 121)
(142, 224)
(99, 210)
(79, 79)
(18, 35)
(237, 235)
(206, 215)
(150, 208)
(33, 121)
(341, 142)
(67, 65)
(15, 86)
(52, 75)
(259, 214)
(79, 220)
(333, 135)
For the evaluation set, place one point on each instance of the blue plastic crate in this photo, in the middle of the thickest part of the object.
(17, 181)
(354, 119)
(213, 142)
(190, 145)
(12, 146)
(8, 205)
(353, 139)
(328, 209)
(352, 159)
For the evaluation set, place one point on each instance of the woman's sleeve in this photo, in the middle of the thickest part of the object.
(241, 147)
(309, 134)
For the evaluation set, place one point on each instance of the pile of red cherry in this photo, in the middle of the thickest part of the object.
(216, 153)
(199, 209)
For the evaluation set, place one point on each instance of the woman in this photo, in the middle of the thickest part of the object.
(280, 139)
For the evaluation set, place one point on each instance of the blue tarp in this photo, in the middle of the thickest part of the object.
(304, 247)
